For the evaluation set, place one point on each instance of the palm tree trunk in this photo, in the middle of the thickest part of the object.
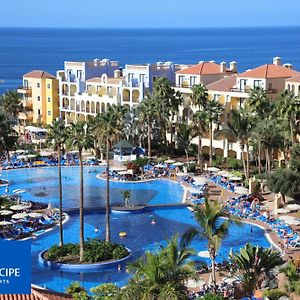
(292, 132)
(187, 158)
(81, 242)
(248, 160)
(259, 157)
(199, 151)
(210, 144)
(149, 137)
(61, 236)
(213, 274)
(107, 204)
(243, 159)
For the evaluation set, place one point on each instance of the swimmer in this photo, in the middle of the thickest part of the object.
(119, 267)
(96, 229)
(251, 229)
(153, 222)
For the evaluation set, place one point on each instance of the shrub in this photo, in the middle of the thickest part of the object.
(191, 167)
(212, 297)
(120, 252)
(95, 251)
(274, 294)
(77, 291)
(234, 163)
(105, 291)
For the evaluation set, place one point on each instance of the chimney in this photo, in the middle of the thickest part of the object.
(233, 66)
(288, 66)
(117, 73)
(277, 61)
(223, 67)
(212, 61)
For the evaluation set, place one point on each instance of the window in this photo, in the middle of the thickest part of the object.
(142, 77)
(79, 74)
(109, 89)
(180, 80)
(26, 84)
(38, 98)
(49, 99)
(48, 85)
(257, 83)
(217, 97)
(49, 112)
(39, 112)
(193, 80)
(270, 87)
(130, 76)
(38, 85)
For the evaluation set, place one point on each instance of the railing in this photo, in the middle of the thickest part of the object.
(248, 90)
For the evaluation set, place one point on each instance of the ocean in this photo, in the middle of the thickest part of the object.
(24, 49)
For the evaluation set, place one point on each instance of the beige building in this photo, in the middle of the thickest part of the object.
(39, 97)
(293, 85)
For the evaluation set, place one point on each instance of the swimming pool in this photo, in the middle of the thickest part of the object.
(141, 234)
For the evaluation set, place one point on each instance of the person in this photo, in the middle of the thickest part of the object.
(251, 229)
(153, 222)
(97, 229)
(119, 267)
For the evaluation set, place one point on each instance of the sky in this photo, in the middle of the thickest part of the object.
(149, 13)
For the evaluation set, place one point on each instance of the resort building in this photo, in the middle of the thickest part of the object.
(72, 83)
(293, 85)
(39, 95)
(234, 89)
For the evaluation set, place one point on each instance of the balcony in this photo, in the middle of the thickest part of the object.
(24, 90)
(27, 104)
(28, 115)
(249, 89)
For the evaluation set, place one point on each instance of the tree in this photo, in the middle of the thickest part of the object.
(161, 275)
(208, 218)
(288, 107)
(258, 103)
(284, 181)
(147, 114)
(56, 135)
(8, 136)
(108, 127)
(295, 159)
(77, 291)
(241, 126)
(80, 138)
(214, 111)
(184, 138)
(126, 194)
(11, 104)
(106, 291)
(141, 162)
(252, 264)
(199, 96)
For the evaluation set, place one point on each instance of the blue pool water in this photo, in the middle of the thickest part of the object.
(141, 234)
(44, 180)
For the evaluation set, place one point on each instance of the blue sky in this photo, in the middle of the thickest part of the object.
(148, 13)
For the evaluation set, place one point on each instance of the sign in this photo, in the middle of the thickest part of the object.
(15, 267)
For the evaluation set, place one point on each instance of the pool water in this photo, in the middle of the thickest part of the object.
(141, 234)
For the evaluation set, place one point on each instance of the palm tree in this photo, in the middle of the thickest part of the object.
(288, 107)
(161, 275)
(254, 263)
(8, 136)
(11, 104)
(80, 138)
(214, 110)
(147, 114)
(57, 137)
(108, 127)
(208, 218)
(199, 96)
(126, 194)
(184, 138)
(258, 103)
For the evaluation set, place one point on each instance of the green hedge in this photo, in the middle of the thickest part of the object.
(94, 251)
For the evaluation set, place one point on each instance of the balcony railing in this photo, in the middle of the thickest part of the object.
(248, 90)
(24, 90)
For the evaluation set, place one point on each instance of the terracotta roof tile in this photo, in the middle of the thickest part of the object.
(204, 68)
(294, 79)
(223, 85)
(269, 71)
(39, 74)
(37, 294)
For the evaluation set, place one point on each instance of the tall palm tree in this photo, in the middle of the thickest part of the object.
(56, 135)
(199, 96)
(252, 264)
(108, 127)
(147, 114)
(161, 275)
(208, 218)
(214, 110)
(185, 134)
(258, 103)
(80, 138)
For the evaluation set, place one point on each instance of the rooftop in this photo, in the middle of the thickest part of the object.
(270, 71)
(294, 78)
(223, 85)
(203, 68)
(39, 74)
(37, 294)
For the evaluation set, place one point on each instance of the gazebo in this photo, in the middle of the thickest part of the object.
(123, 151)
